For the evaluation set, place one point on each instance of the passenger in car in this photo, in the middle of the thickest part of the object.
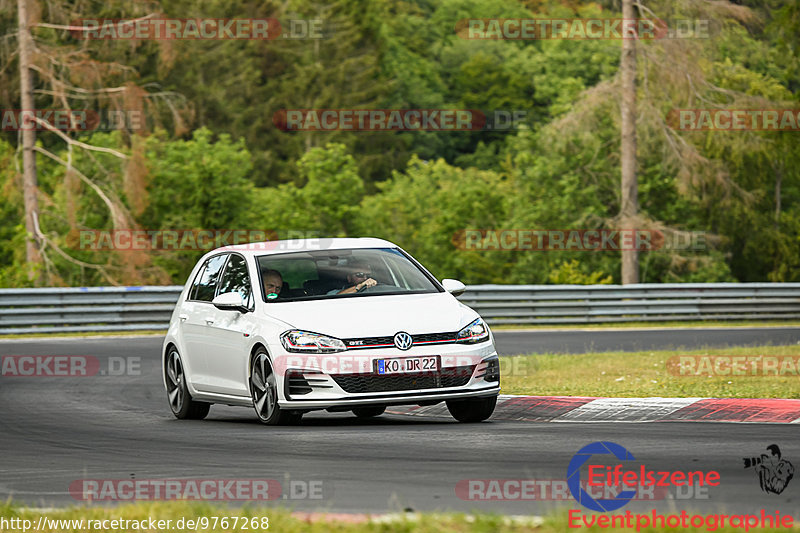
(273, 283)
(359, 277)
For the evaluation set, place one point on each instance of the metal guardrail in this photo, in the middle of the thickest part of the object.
(58, 310)
(644, 302)
(63, 310)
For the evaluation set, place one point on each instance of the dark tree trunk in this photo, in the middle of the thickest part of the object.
(630, 202)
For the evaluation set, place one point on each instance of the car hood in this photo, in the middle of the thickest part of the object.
(373, 316)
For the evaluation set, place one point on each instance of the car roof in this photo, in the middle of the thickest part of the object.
(304, 245)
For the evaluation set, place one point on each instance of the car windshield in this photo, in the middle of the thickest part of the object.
(341, 274)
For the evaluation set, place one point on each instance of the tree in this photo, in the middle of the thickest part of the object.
(203, 183)
(71, 73)
(570, 273)
(630, 203)
(32, 245)
(327, 201)
(427, 209)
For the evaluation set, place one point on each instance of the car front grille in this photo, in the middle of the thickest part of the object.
(492, 370)
(387, 342)
(427, 338)
(362, 383)
(297, 386)
(299, 383)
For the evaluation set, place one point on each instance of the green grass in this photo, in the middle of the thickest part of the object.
(639, 374)
(283, 521)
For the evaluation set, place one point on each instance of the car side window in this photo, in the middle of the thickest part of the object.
(236, 279)
(207, 285)
(196, 283)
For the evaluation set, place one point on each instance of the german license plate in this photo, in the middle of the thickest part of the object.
(407, 365)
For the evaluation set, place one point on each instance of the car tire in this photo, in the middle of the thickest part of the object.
(181, 403)
(264, 391)
(473, 409)
(369, 412)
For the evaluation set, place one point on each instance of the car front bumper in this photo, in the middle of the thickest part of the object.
(349, 379)
(422, 397)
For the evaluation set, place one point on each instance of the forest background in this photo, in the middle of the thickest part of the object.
(210, 155)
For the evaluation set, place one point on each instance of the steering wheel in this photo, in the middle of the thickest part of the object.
(378, 287)
(363, 288)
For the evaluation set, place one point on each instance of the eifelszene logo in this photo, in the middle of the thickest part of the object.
(610, 477)
(574, 476)
(774, 472)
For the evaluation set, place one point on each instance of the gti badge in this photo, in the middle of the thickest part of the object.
(403, 340)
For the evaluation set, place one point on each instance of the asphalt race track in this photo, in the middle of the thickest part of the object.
(54, 431)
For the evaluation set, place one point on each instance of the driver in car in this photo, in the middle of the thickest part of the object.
(273, 283)
(358, 278)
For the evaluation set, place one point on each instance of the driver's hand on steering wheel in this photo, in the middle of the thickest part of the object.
(367, 283)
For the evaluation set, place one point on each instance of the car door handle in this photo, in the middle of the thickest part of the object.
(183, 317)
(209, 321)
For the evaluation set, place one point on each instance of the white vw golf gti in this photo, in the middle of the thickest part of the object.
(355, 325)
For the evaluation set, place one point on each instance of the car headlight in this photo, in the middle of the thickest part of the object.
(477, 331)
(307, 342)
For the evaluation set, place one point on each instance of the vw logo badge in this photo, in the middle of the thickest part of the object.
(403, 340)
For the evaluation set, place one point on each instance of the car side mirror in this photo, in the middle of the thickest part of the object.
(230, 301)
(454, 287)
